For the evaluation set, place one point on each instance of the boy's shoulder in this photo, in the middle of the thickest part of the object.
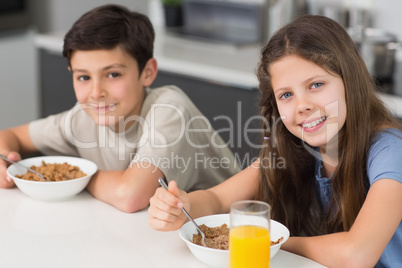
(169, 94)
(169, 97)
(168, 91)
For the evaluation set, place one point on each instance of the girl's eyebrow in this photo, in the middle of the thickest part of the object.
(307, 81)
(279, 90)
(311, 79)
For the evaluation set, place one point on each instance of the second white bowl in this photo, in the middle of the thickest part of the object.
(218, 257)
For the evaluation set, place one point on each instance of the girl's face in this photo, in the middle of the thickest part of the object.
(311, 101)
(108, 86)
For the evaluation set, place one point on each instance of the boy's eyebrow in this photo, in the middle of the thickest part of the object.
(117, 65)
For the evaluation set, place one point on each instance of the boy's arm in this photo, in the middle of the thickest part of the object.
(128, 190)
(363, 245)
(13, 142)
(16, 139)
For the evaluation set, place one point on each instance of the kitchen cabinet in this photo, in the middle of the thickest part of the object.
(57, 92)
(232, 111)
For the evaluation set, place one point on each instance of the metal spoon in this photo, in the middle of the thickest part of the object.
(27, 168)
(204, 239)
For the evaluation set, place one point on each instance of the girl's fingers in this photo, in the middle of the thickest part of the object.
(174, 190)
(165, 201)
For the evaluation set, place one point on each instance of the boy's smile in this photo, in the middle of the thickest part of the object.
(311, 101)
(108, 85)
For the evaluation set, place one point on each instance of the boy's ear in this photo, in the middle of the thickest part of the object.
(150, 71)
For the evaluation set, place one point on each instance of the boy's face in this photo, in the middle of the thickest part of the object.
(108, 86)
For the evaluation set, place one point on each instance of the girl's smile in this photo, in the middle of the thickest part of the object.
(312, 125)
(310, 100)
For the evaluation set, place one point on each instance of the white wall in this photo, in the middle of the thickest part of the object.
(388, 16)
(59, 15)
(386, 13)
(19, 98)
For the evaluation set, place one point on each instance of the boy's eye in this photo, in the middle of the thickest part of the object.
(83, 78)
(114, 75)
(316, 85)
(286, 95)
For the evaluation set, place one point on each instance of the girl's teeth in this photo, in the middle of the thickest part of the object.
(313, 124)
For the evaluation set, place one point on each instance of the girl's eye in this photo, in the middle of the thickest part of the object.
(83, 78)
(114, 75)
(285, 95)
(317, 85)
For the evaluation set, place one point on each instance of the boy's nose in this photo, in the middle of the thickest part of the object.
(97, 91)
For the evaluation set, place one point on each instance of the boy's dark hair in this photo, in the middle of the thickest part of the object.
(109, 26)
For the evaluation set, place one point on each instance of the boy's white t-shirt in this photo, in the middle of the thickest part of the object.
(170, 133)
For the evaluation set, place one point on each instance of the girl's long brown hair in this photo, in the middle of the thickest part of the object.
(290, 189)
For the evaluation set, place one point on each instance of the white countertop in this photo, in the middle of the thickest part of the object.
(85, 232)
(216, 62)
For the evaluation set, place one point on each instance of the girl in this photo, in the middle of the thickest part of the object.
(340, 190)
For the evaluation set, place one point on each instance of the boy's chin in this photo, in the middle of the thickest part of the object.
(109, 123)
(106, 122)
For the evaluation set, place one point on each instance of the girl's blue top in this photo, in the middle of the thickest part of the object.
(384, 162)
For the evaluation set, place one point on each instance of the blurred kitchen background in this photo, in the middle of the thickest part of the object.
(211, 54)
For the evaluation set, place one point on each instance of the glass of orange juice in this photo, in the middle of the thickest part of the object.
(249, 237)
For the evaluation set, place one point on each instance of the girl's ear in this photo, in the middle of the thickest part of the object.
(150, 71)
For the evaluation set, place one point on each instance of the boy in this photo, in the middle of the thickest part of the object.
(132, 133)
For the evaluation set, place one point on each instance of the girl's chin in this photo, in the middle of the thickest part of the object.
(320, 141)
(314, 142)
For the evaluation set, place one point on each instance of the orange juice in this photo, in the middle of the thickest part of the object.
(249, 246)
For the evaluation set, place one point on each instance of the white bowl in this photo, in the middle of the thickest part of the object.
(219, 257)
(52, 190)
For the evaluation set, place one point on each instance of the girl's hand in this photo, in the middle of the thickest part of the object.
(164, 213)
(6, 181)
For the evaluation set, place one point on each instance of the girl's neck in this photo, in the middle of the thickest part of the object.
(327, 170)
(330, 157)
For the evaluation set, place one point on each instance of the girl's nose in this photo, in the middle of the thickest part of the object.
(304, 104)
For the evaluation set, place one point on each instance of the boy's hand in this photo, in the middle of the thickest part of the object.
(164, 213)
(5, 181)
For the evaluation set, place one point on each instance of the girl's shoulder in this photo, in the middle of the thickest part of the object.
(385, 154)
(388, 136)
